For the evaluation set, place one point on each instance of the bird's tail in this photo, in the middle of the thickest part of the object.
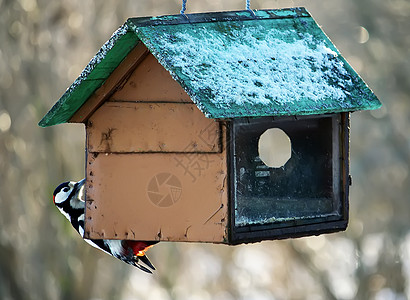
(139, 259)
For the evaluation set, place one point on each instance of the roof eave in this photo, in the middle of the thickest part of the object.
(111, 54)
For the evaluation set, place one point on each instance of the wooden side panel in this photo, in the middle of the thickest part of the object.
(156, 168)
(152, 127)
(151, 82)
(157, 196)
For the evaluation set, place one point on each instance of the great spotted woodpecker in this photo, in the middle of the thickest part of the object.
(69, 199)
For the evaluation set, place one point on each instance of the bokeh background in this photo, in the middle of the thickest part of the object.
(43, 47)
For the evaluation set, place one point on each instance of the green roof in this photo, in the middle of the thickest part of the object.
(234, 64)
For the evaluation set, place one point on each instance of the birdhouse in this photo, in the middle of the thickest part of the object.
(223, 127)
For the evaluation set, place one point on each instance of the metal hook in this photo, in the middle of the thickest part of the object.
(248, 7)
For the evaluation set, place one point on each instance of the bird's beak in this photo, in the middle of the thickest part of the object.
(79, 184)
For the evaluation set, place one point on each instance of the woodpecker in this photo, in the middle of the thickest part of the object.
(69, 199)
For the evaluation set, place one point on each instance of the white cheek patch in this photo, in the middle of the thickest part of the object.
(61, 196)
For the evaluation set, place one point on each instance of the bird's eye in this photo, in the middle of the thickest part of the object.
(66, 189)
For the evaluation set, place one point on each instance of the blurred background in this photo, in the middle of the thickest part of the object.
(44, 45)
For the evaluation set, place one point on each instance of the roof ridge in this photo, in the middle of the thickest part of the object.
(240, 15)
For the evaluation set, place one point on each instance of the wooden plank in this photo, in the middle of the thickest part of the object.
(152, 83)
(120, 74)
(157, 196)
(147, 127)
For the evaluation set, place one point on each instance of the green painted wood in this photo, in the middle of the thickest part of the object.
(234, 64)
(92, 77)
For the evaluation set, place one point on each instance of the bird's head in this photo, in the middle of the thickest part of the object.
(66, 191)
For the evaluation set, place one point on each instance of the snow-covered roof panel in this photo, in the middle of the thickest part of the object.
(281, 65)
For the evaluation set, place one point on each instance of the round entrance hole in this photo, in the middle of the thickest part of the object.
(274, 148)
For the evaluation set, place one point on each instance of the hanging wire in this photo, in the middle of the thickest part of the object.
(183, 8)
(248, 7)
(248, 4)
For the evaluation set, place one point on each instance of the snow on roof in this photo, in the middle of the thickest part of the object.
(243, 69)
(258, 67)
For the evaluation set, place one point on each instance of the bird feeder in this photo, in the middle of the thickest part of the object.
(223, 127)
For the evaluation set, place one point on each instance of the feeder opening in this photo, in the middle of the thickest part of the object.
(274, 148)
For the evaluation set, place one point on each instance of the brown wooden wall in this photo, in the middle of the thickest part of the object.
(152, 127)
(156, 167)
